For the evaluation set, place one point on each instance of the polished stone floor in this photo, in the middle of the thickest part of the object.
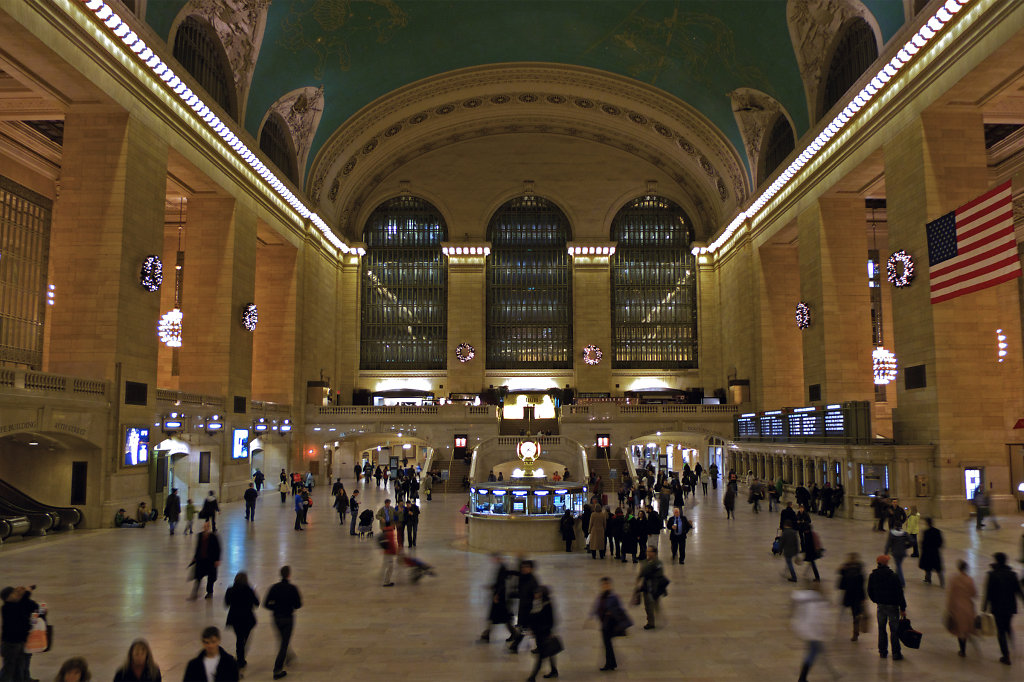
(726, 616)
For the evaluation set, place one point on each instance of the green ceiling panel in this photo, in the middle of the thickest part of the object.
(697, 50)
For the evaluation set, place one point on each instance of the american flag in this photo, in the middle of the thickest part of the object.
(973, 247)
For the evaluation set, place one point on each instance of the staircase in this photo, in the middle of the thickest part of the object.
(457, 469)
(602, 467)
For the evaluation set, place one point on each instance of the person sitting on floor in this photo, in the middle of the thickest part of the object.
(121, 520)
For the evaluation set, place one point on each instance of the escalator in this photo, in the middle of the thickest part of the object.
(41, 517)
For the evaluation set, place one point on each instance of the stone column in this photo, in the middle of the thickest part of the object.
(592, 315)
(467, 315)
(970, 401)
(219, 280)
(833, 282)
(108, 217)
(347, 351)
(782, 372)
(273, 349)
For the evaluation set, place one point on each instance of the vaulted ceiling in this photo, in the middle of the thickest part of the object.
(357, 51)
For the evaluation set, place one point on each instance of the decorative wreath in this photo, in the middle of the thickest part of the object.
(250, 316)
(892, 270)
(803, 315)
(465, 352)
(592, 355)
(151, 274)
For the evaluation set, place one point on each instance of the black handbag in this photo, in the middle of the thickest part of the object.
(908, 636)
(550, 646)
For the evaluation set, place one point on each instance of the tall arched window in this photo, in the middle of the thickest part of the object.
(854, 53)
(777, 146)
(654, 287)
(275, 143)
(529, 287)
(404, 287)
(198, 49)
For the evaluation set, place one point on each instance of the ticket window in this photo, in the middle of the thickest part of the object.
(874, 478)
(973, 480)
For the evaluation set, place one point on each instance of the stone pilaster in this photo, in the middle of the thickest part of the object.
(591, 312)
(781, 359)
(467, 316)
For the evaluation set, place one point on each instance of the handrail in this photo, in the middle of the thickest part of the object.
(45, 382)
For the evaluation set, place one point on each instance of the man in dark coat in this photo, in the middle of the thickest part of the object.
(172, 509)
(498, 614)
(1002, 589)
(567, 528)
(931, 558)
(787, 514)
(283, 599)
(17, 611)
(206, 560)
(885, 590)
(527, 589)
(224, 664)
(250, 496)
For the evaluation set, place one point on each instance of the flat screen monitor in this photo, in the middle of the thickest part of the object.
(239, 443)
(136, 445)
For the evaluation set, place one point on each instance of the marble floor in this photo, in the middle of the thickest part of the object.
(726, 616)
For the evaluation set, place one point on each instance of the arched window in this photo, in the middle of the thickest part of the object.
(654, 287)
(529, 287)
(198, 49)
(854, 53)
(275, 142)
(404, 287)
(777, 146)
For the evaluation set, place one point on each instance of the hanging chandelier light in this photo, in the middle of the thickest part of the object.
(169, 328)
(883, 364)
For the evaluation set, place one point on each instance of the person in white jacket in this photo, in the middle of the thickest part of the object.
(812, 622)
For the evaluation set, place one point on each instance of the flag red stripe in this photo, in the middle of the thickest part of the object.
(970, 229)
(954, 264)
(977, 272)
(985, 197)
(977, 287)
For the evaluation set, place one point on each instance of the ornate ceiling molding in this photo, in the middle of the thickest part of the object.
(301, 110)
(240, 25)
(814, 27)
(502, 99)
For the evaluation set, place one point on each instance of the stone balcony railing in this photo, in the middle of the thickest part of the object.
(53, 385)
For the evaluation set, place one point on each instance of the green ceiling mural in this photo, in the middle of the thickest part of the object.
(697, 50)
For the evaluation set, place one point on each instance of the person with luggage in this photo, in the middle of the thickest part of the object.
(542, 624)
(498, 612)
(353, 509)
(1002, 589)
(527, 588)
(613, 619)
(886, 591)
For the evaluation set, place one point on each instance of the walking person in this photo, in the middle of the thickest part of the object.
(283, 488)
(241, 600)
(851, 582)
(341, 504)
(960, 612)
(389, 544)
(678, 528)
(213, 664)
(250, 496)
(613, 619)
(17, 611)
(650, 584)
(387, 517)
(705, 478)
(885, 590)
(913, 526)
(567, 529)
(811, 623)
(209, 510)
(542, 623)
(139, 666)
(300, 509)
(527, 588)
(412, 522)
(931, 552)
(790, 542)
(896, 544)
(283, 599)
(172, 509)
(206, 559)
(499, 614)
(1002, 589)
(729, 502)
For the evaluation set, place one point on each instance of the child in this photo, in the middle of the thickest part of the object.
(190, 514)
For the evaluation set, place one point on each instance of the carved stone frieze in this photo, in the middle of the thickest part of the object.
(301, 110)
(240, 25)
(754, 111)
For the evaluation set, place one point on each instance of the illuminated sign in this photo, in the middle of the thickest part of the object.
(136, 446)
(239, 443)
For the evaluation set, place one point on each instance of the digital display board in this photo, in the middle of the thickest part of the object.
(136, 445)
(239, 443)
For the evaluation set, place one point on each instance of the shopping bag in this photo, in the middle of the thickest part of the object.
(985, 624)
(37, 642)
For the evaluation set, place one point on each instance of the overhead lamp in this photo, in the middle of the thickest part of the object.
(260, 425)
